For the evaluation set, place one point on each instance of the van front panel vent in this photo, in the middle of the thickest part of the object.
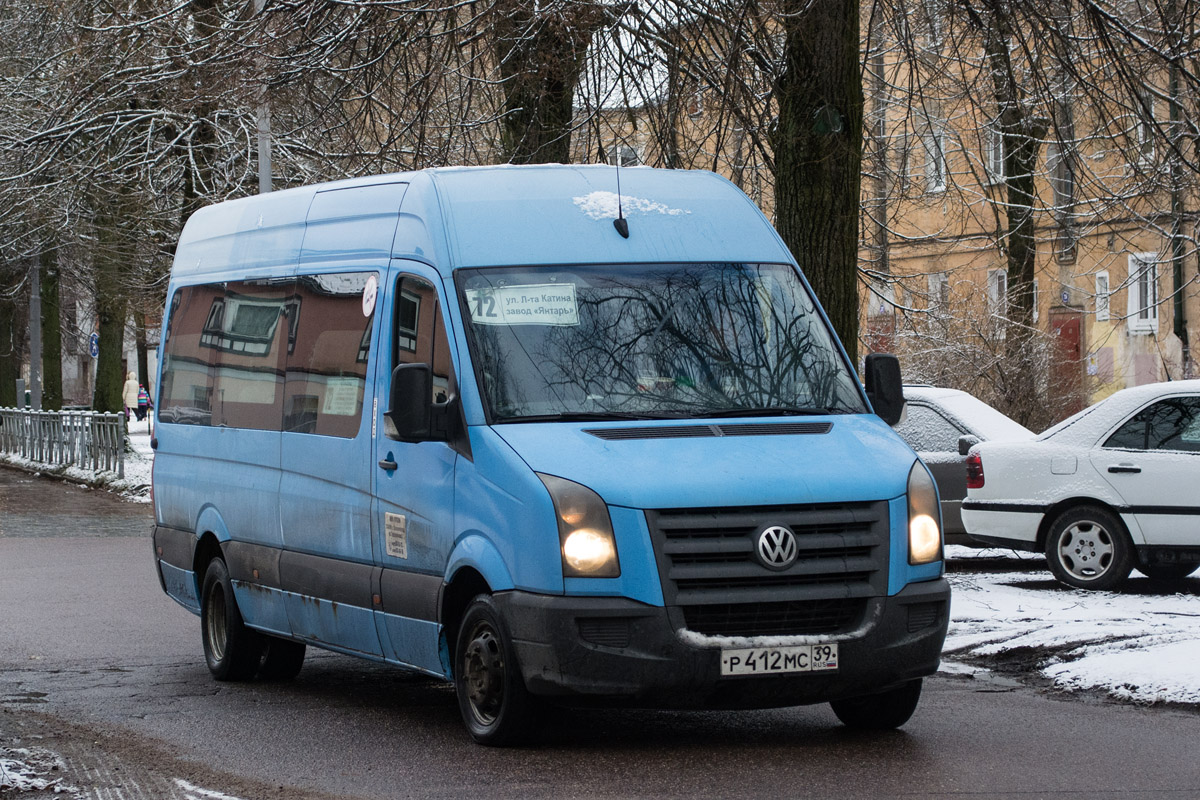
(695, 431)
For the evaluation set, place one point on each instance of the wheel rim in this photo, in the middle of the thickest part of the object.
(1086, 550)
(483, 670)
(214, 617)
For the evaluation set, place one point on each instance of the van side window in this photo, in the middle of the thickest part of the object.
(225, 354)
(419, 335)
(327, 369)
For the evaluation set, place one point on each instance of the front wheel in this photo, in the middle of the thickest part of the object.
(496, 707)
(1088, 548)
(1168, 572)
(884, 711)
(231, 649)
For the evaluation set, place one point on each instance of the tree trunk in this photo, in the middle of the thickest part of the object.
(52, 386)
(541, 56)
(818, 153)
(10, 363)
(111, 306)
(143, 361)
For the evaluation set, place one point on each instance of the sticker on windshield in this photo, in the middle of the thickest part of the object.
(535, 304)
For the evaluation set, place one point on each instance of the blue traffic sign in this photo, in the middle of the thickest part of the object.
(94, 345)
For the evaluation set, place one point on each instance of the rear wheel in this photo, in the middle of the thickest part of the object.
(231, 649)
(1088, 548)
(282, 659)
(496, 707)
(1166, 572)
(884, 711)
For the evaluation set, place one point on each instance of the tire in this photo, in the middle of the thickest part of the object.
(231, 649)
(496, 707)
(1088, 548)
(884, 711)
(282, 659)
(1168, 572)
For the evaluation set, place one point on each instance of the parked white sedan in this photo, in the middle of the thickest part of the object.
(1114, 487)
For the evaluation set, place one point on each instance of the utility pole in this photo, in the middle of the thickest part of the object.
(35, 336)
(264, 123)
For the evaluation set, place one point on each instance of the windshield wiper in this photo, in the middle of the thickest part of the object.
(766, 411)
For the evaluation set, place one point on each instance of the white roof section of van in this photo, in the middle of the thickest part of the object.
(486, 216)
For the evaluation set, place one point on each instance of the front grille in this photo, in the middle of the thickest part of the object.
(710, 570)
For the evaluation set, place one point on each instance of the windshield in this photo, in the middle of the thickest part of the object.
(684, 340)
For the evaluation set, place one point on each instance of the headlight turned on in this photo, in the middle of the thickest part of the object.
(924, 535)
(585, 534)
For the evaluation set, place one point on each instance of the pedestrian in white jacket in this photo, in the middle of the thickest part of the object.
(129, 394)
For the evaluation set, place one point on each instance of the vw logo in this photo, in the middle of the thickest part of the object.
(777, 547)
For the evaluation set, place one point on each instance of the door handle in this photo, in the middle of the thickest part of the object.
(388, 464)
(1124, 468)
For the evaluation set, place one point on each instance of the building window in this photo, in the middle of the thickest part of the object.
(939, 292)
(993, 153)
(935, 157)
(1102, 295)
(623, 156)
(1143, 293)
(1144, 112)
(1062, 177)
(998, 292)
(933, 20)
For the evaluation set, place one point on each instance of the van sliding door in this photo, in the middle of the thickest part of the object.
(325, 497)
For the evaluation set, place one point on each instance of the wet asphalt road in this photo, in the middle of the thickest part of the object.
(93, 655)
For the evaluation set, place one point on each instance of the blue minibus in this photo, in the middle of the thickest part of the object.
(555, 442)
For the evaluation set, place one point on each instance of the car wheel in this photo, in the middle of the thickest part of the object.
(496, 707)
(231, 649)
(282, 659)
(1167, 572)
(1088, 548)
(884, 711)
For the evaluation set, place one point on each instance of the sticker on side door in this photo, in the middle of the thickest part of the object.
(395, 535)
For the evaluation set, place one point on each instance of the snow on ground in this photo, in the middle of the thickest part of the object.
(1141, 644)
(25, 770)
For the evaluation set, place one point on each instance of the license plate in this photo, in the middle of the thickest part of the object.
(776, 660)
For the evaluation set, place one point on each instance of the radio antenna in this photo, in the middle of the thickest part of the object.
(620, 223)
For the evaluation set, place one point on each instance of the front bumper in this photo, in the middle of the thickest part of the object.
(578, 648)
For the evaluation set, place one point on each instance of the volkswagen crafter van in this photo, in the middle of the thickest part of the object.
(509, 428)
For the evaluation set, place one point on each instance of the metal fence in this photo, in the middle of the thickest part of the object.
(84, 439)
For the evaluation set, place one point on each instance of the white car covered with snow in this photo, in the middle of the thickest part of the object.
(937, 423)
(1114, 487)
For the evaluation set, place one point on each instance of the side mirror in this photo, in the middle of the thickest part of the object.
(410, 403)
(965, 443)
(412, 415)
(885, 389)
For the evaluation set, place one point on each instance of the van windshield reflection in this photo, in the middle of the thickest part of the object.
(651, 342)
